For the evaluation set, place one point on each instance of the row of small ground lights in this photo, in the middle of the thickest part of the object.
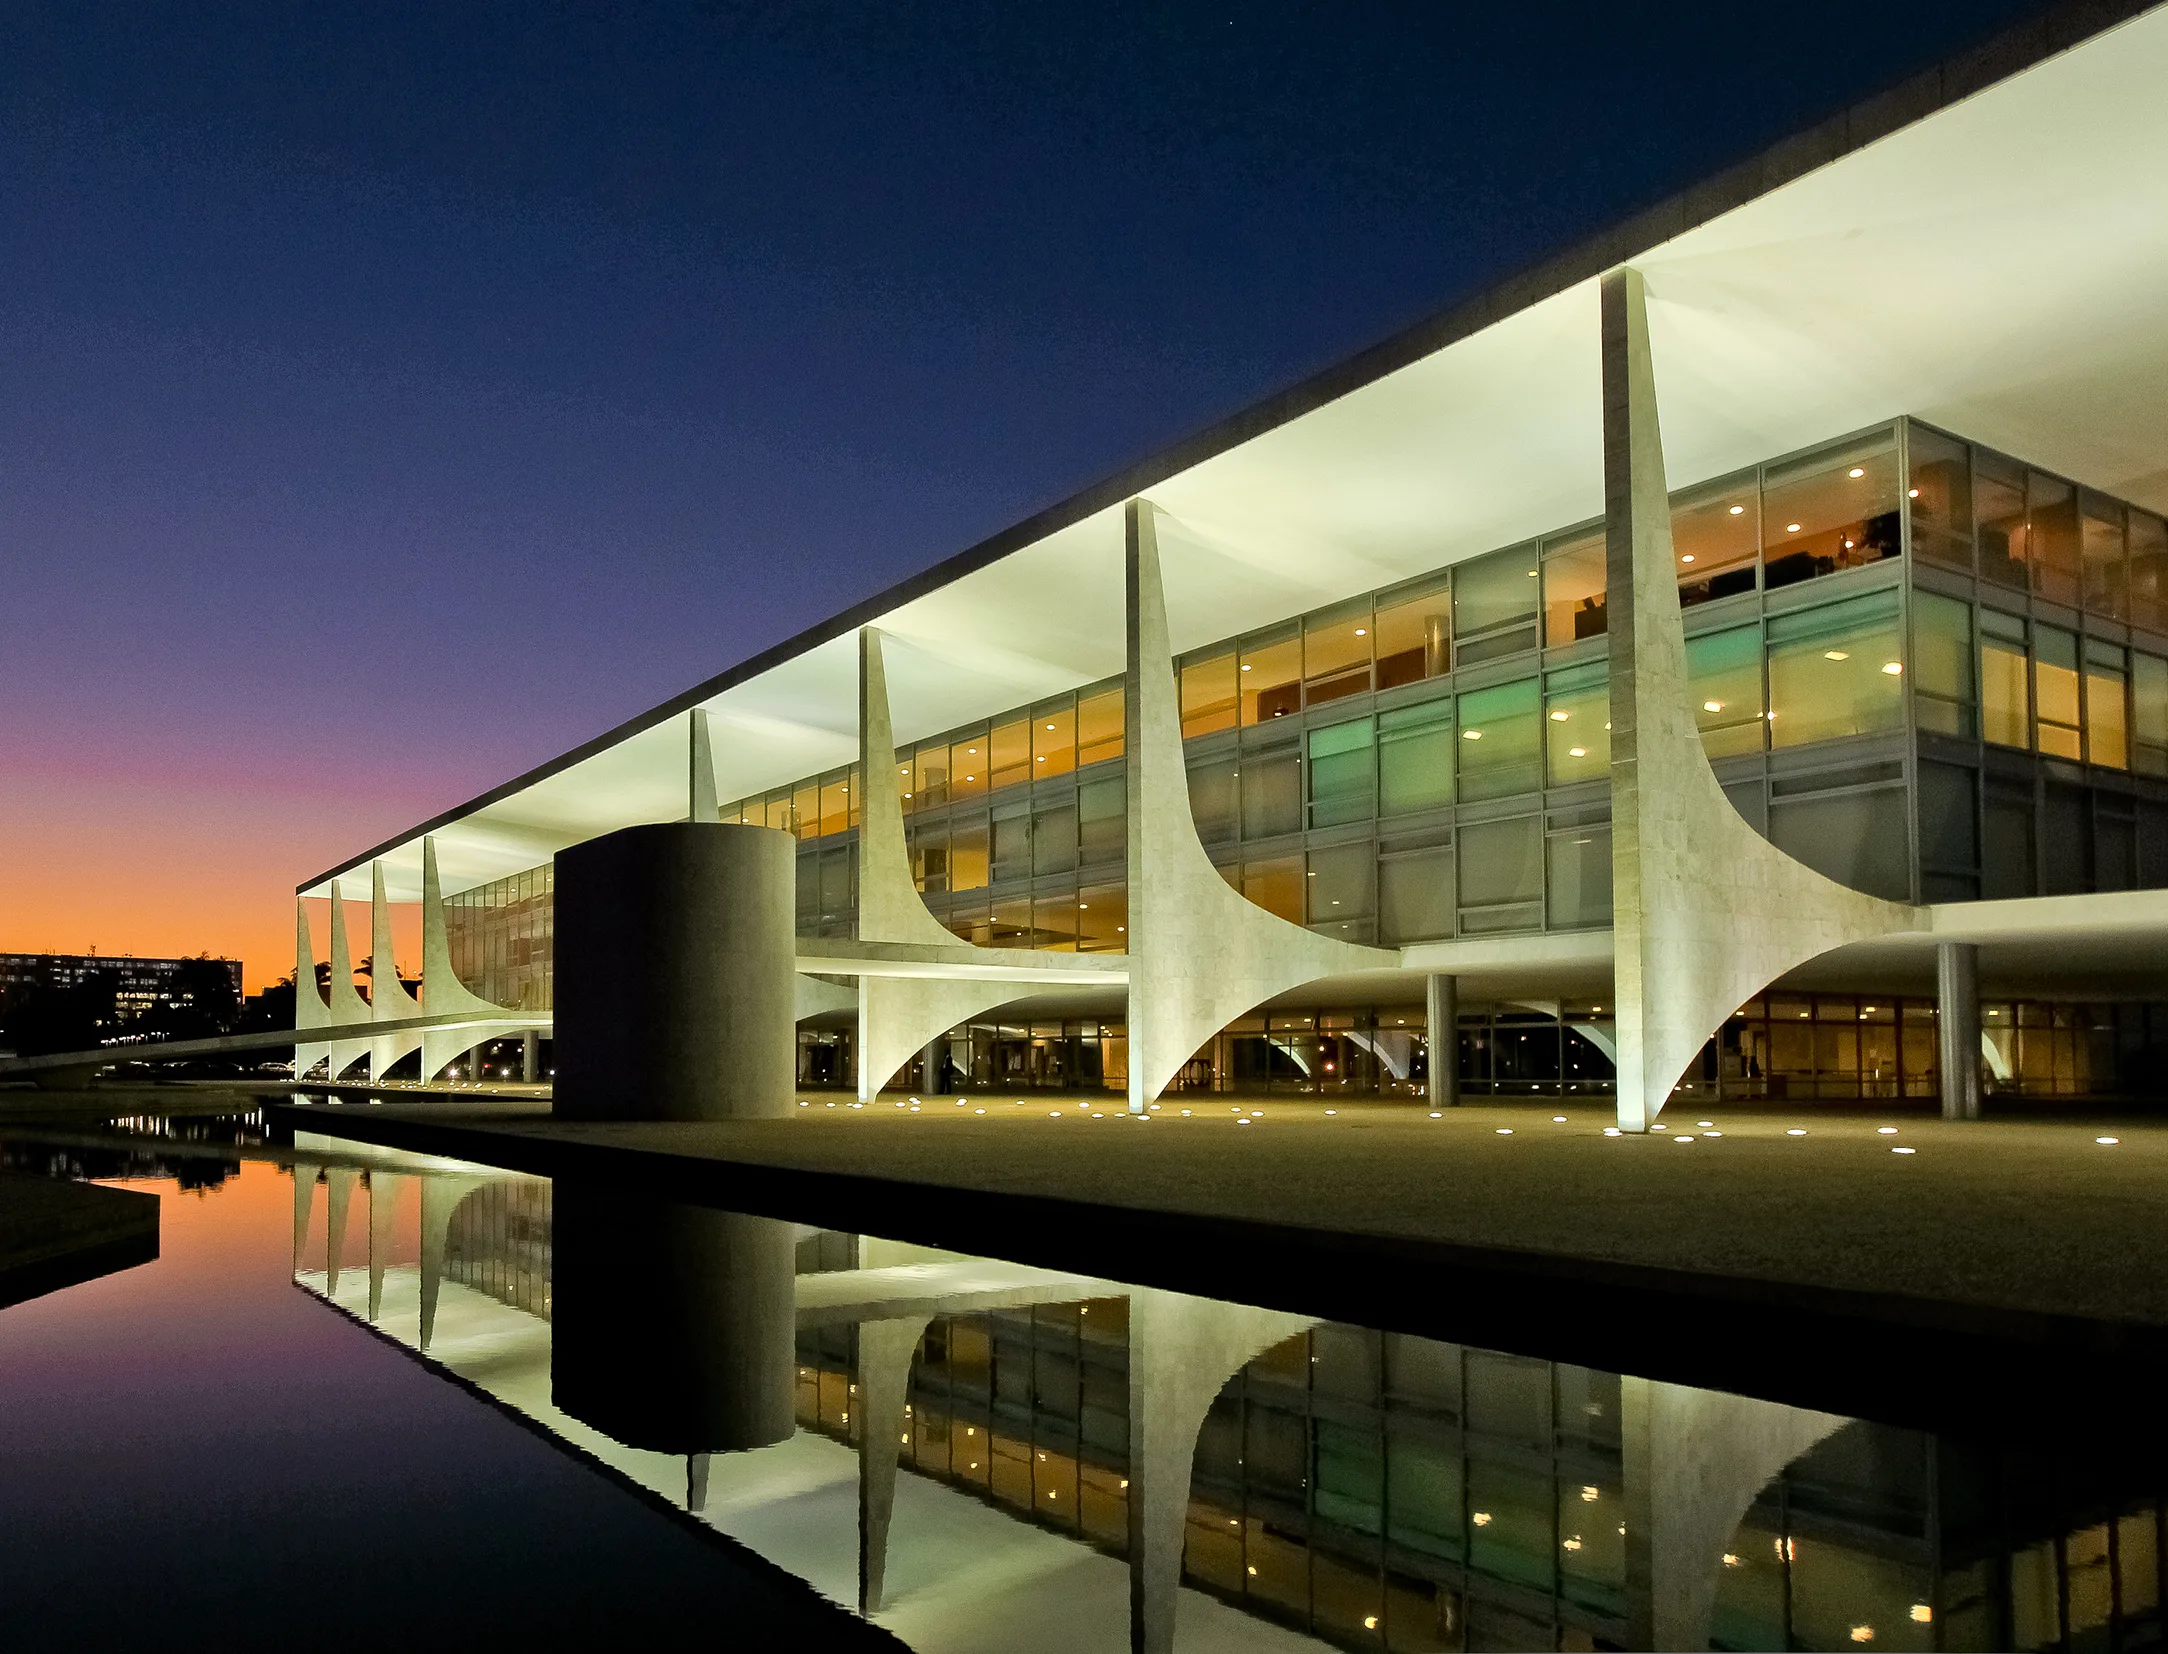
(1703, 1128)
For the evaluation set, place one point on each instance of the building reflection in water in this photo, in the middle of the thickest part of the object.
(986, 1452)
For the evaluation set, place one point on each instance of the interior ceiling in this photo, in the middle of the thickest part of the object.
(1996, 268)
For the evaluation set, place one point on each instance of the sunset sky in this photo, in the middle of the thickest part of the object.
(392, 397)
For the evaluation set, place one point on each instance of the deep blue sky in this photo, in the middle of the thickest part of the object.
(392, 396)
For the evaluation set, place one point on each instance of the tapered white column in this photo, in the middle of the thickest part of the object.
(1706, 912)
(1200, 955)
(897, 1015)
(389, 1000)
(443, 994)
(347, 1005)
(310, 1011)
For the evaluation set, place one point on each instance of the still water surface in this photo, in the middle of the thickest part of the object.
(398, 1399)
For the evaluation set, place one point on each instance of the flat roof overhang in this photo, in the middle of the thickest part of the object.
(1986, 246)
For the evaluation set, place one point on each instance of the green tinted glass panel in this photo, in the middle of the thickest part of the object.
(1342, 773)
(1501, 746)
(1415, 758)
(1836, 670)
(1724, 675)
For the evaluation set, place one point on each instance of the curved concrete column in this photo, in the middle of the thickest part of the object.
(1200, 954)
(1695, 1460)
(1182, 1352)
(1706, 912)
(310, 1011)
(442, 991)
(885, 1352)
(347, 1005)
(897, 1015)
(389, 1000)
(812, 997)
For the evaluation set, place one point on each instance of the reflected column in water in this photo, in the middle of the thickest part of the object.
(305, 1173)
(1182, 1352)
(885, 1351)
(339, 1197)
(1695, 1460)
(673, 1327)
(383, 1205)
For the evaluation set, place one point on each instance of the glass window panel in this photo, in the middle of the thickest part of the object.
(1343, 773)
(1856, 838)
(969, 862)
(1573, 587)
(2107, 725)
(1099, 728)
(1580, 877)
(1053, 741)
(1942, 664)
(1208, 695)
(1053, 921)
(1008, 757)
(835, 806)
(2149, 714)
(1716, 536)
(1271, 793)
(1577, 725)
(1275, 886)
(1416, 896)
(931, 791)
(1011, 847)
(1340, 887)
(1102, 820)
(1414, 634)
(1214, 801)
(2052, 522)
(805, 810)
(2100, 543)
(1500, 589)
(1724, 675)
(1103, 918)
(1501, 862)
(1415, 758)
(2148, 571)
(1998, 516)
(836, 884)
(2005, 696)
(1053, 838)
(1831, 511)
(930, 857)
(1011, 926)
(1271, 680)
(1949, 826)
(1336, 653)
(1501, 748)
(2055, 693)
(1941, 498)
(1835, 671)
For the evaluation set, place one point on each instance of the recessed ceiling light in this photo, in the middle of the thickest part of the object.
(1738, 511)
(1362, 631)
(1894, 668)
(1471, 735)
(1688, 558)
(1577, 752)
(1559, 717)
(1791, 528)
(1858, 471)
(1912, 493)
(1835, 654)
(1712, 706)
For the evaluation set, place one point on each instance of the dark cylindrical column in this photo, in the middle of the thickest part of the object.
(672, 1328)
(530, 1067)
(676, 957)
(1442, 1031)
(1957, 1018)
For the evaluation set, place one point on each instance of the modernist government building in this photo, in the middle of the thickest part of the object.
(1728, 660)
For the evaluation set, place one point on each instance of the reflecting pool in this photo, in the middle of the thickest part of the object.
(432, 1398)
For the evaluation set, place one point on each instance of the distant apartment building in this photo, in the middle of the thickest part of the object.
(140, 985)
